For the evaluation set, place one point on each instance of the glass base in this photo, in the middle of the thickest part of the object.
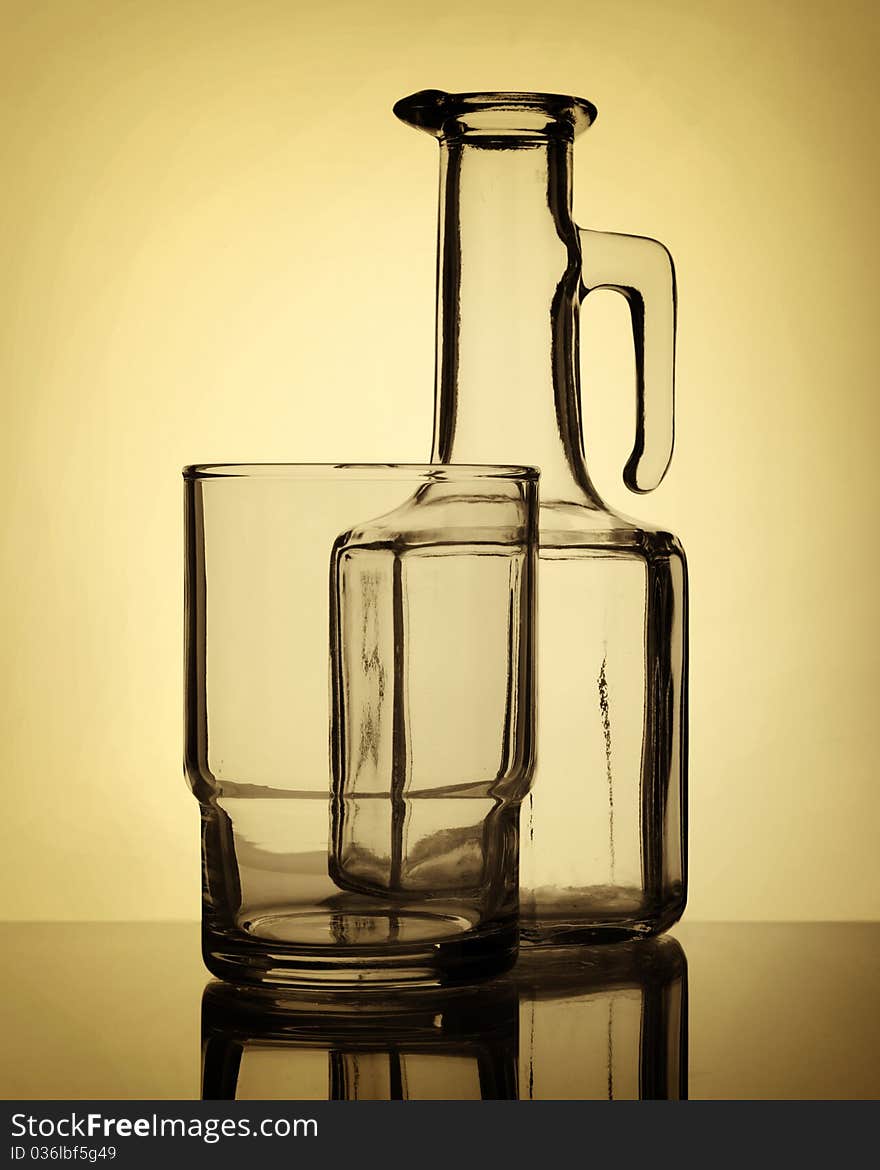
(320, 948)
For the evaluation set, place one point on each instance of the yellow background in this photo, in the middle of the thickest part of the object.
(216, 243)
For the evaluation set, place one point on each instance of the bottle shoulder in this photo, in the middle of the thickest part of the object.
(566, 525)
(439, 515)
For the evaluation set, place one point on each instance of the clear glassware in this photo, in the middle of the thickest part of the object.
(359, 769)
(604, 830)
(454, 1045)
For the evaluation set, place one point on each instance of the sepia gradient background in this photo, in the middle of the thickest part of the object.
(216, 243)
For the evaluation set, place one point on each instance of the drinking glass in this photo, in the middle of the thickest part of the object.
(359, 717)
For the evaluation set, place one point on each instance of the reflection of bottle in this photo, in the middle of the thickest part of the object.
(459, 1045)
(431, 685)
(603, 841)
(603, 1022)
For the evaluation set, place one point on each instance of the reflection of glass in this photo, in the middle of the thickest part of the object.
(603, 844)
(603, 1022)
(380, 846)
(595, 1022)
(455, 1045)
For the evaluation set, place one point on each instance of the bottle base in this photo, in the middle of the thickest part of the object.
(573, 922)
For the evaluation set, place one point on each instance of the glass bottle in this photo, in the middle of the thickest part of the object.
(603, 852)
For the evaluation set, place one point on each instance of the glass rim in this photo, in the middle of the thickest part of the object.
(424, 472)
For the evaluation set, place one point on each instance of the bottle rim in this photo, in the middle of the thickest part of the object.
(496, 113)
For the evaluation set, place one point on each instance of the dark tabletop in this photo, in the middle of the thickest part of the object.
(109, 1011)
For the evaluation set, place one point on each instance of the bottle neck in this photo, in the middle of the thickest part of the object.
(509, 271)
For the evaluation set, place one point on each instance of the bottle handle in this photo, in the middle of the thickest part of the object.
(641, 270)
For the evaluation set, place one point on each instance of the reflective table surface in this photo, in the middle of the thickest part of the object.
(713, 1011)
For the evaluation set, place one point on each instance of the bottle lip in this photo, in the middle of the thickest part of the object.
(496, 114)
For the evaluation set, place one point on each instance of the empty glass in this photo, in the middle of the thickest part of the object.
(359, 717)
